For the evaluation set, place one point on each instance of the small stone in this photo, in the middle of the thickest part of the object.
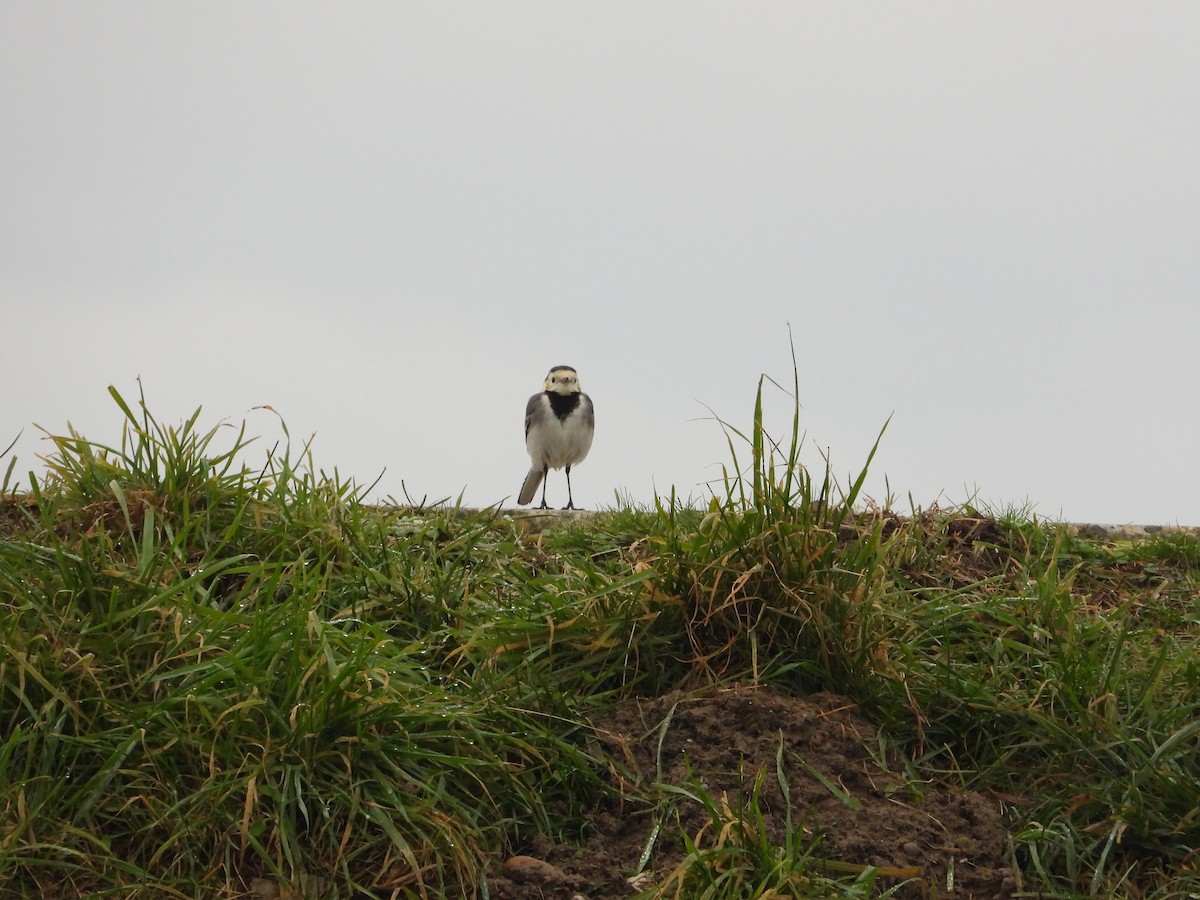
(912, 850)
(529, 868)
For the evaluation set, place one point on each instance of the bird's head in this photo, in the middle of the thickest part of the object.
(562, 380)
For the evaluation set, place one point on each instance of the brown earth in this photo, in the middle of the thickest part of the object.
(941, 841)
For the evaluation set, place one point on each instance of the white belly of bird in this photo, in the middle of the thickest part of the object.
(562, 443)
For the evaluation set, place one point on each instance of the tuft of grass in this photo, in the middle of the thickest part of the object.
(734, 855)
(213, 675)
(781, 574)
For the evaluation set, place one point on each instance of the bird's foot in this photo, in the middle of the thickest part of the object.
(544, 505)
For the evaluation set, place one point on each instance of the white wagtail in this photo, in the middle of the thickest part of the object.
(559, 424)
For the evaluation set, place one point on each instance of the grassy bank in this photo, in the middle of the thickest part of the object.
(221, 682)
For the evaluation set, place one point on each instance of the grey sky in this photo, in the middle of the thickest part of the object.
(388, 220)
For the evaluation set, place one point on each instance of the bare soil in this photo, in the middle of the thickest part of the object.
(942, 842)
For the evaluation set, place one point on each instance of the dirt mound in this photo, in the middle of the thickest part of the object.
(946, 843)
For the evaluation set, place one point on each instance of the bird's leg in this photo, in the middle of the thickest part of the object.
(545, 478)
(570, 499)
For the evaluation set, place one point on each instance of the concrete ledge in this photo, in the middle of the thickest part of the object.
(536, 520)
(1131, 532)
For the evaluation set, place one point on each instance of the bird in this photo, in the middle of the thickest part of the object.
(559, 425)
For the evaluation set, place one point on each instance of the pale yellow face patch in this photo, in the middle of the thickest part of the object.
(562, 381)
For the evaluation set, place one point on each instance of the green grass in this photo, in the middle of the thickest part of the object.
(211, 675)
(734, 855)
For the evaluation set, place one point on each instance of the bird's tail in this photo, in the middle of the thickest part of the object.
(529, 488)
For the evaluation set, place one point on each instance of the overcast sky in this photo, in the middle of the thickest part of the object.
(388, 220)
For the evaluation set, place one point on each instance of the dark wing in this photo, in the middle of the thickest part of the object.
(589, 412)
(531, 409)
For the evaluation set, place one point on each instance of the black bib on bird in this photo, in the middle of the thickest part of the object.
(563, 404)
